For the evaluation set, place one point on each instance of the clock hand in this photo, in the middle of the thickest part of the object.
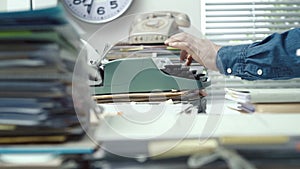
(89, 6)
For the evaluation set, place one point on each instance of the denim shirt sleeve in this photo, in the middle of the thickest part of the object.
(275, 57)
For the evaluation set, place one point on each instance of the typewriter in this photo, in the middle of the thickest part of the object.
(146, 70)
(149, 73)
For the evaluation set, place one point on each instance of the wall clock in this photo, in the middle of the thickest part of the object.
(97, 11)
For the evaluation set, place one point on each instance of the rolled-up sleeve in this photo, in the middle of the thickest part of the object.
(275, 57)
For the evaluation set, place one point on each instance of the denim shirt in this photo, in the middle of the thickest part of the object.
(275, 57)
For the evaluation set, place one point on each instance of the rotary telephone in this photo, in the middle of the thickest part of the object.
(156, 27)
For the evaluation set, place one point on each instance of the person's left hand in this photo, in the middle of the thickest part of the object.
(201, 50)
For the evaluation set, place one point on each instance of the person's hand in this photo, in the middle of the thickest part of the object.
(201, 50)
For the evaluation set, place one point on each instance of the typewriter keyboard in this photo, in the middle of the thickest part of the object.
(184, 72)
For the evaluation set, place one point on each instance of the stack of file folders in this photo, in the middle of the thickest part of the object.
(38, 52)
(265, 100)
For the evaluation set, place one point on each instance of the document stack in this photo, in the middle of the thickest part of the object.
(267, 100)
(38, 52)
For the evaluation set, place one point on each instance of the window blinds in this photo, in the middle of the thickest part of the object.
(245, 21)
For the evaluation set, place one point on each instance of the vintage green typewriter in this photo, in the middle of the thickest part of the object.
(149, 73)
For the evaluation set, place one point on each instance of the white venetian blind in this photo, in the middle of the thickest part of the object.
(230, 22)
(245, 21)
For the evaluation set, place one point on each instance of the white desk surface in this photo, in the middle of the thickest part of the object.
(144, 122)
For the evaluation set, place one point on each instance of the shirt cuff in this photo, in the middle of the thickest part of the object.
(231, 59)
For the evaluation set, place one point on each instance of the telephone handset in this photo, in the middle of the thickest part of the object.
(156, 27)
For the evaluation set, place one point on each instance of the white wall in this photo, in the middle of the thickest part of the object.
(3, 5)
(190, 7)
(39, 4)
(97, 35)
(23, 5)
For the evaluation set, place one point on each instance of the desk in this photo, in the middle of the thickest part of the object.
(122, 136)
(214, 124)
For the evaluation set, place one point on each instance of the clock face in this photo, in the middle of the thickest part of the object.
(97, 11)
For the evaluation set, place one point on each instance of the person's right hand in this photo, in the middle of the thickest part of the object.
(201, 50)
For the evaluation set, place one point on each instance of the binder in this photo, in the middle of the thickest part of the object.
(271, 107)
(38, 53)
(277, 100)
(266, 95)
